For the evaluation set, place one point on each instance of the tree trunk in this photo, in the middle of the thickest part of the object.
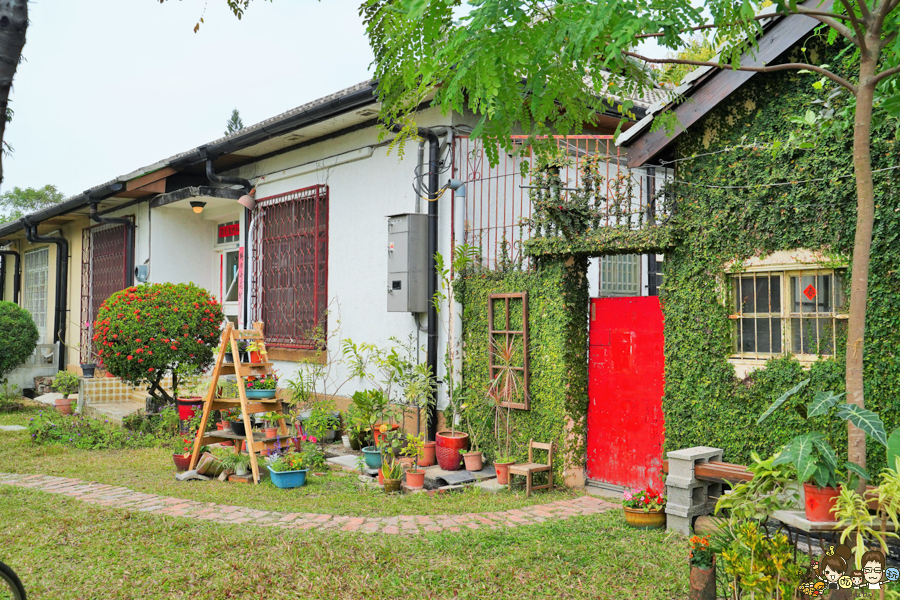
(13, 23)
(862, 245)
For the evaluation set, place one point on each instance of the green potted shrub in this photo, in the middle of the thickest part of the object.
(65, 383)
(415, 477)
(393, 473)
(237, 462)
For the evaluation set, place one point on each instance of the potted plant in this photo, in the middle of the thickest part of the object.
(261, 387)
(393, 473)
(257, 350)
(703, 569)
(237, 462)
(372, 457)
(183, 449)
(272, 417)
(288, 470)
(472, 457)
(65, 383)
(415, 477)
(644, 509)
(87, 370)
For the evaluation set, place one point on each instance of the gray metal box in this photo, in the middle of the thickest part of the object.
(407, 263)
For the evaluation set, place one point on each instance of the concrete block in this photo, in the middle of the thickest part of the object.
(703, 452)
(680, 524)
(683, 462)
(685, 511)
(694, 495)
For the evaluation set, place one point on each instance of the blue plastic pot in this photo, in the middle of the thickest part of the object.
(261, 393)
(372, 456)
(288, 479)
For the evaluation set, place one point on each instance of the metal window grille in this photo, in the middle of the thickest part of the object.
(620, 275)
(508, 319)
(802, 312)
(103, 273)
(290, 267)
(36, 275)
(498, 198)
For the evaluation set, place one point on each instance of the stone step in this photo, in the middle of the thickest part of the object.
(114, 411)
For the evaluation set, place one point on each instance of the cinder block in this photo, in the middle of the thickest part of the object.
(680, 524)
(695, 495)
(683, 462)
(685, 511)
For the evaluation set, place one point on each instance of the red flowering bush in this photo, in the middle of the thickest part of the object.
(645, 500)
(145, 332)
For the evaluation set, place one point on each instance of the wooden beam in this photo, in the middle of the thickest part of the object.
(781, 37)
(155, 176)
(151, 189)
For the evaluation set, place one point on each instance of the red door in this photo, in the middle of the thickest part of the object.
(625, 420)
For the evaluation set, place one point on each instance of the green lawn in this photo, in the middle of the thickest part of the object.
(63, 548)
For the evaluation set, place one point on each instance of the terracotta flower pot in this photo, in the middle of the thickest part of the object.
(270, 432)
(819, 502)
(703, 583)
(448, 447)
(426, 457)
(380, 477)
(473, 461)
(415, 479)
(64, 405)
(639, 519)
(391, 486)
(502, 472)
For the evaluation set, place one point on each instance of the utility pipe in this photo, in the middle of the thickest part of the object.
(17, 281)
(129, 235)
(62, 280)
(215, 178)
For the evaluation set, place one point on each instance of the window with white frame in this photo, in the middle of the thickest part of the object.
(36, 275)
(620, 275)
(798, 311)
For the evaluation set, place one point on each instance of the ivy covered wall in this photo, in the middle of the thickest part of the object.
(705, 403)
(557, 305)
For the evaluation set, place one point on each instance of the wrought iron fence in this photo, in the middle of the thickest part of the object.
(501, 202)
(290, 266)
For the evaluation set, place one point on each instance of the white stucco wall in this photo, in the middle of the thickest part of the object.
(180, 247)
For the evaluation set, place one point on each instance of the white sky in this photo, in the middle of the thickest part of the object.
(113, 85)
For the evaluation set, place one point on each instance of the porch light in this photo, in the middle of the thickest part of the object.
(197, 206)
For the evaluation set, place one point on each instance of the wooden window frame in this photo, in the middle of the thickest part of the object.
(785, 315)
(509, 334)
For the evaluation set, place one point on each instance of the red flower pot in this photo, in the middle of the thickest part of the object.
(255, 357)
(819, 502)
(426, 457)
(448, 447)
(182, 461)
(187, 408)
(380, 477)
(415, 479)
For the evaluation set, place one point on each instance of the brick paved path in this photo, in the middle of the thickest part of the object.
(121, 497)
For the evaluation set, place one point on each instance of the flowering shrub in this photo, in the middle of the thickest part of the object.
(269, 382)
(85, 433)
(645, 500)
(144, 332)
(701, 554)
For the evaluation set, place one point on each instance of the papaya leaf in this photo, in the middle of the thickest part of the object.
(781, 400)
(822, 403)
(865, 420)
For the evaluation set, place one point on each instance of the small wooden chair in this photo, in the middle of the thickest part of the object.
(530, 468)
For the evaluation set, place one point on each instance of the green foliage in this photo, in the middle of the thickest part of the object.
(234, 123)
(162, 425)
(699, 48)
(704, 403)
(557, 294)
(19, 338)
(18, 202)
(773, 487)
(759, 565)
(84, 433)
(143, 332)
(65, 383)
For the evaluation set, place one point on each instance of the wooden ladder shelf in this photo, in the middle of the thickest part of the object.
(255, 441)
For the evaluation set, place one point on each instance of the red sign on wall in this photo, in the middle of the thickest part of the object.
(810, 291)
(240, 284)
(229, 229)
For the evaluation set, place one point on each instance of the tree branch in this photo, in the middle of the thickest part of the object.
(841, 28)
(827, 18)
(883, 75)
(784, 67)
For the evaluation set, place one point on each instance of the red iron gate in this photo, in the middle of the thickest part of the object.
(103, 273)
(625, 389)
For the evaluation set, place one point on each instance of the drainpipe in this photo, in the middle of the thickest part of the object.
(17, 282)
(431, 350)
(62, 280)
(214, 178)
(129, 235)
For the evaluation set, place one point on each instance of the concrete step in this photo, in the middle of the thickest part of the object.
(114, 411)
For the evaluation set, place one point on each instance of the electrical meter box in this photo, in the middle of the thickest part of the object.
(407, 263)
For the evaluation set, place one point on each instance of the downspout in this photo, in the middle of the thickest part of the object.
(431, 350)
(225, 180)
(129, 235)
(17, 282)
(62, 280)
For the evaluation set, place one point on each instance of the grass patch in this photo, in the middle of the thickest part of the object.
(64, 549)
(150, 470)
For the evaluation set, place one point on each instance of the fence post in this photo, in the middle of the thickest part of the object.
(687, 497)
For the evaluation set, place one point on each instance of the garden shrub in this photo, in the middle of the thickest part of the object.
(143, 333)
(85, 433)
(19, 339)
(161, 425)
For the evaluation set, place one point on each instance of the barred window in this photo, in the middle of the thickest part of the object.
(37, 276)
(620, 275)
(290, 259)
(803, 312)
